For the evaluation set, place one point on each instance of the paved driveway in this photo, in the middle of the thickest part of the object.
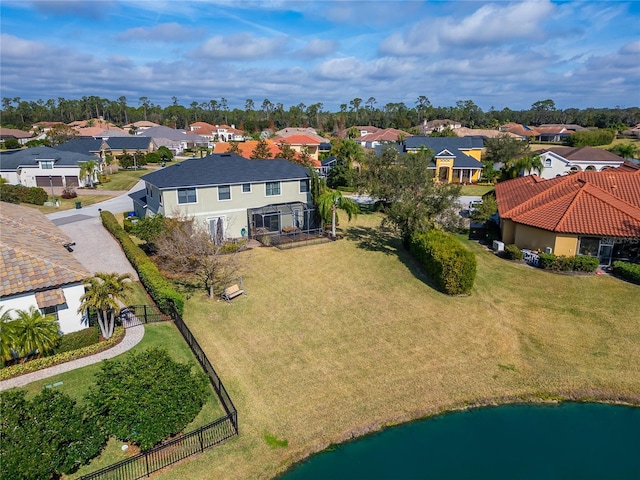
(95, 248)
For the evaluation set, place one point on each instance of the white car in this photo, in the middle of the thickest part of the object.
(473, 204)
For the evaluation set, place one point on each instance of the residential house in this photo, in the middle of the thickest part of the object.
(559, 161)
(37, 268)
(456, 159)
(217, 133)
(247, 148)
(382, 137)
(361, 129)
(430, 126)
(525, 132)
(43, 167)
(297, 142)
(139, 126)
(113, 146)
(231, 196)
(13, 133)
(308, 131)
(482, 132)
(176, 140)
(587, 213)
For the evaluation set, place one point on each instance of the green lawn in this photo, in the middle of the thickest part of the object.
(123, 179)
(476, 190)
(70, 203)
(77, 382)
(344, 338)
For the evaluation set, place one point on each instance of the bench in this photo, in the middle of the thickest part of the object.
(232, 292)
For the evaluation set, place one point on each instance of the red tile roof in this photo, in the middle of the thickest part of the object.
(603, 203)
(298, 140)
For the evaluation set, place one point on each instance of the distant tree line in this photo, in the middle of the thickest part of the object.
(258, 116)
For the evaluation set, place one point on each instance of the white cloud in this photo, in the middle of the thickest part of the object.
(317, 48)
(241, 47)
(163, 32)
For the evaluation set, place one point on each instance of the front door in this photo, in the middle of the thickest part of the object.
(604, 252)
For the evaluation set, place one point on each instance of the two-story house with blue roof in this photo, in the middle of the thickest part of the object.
(231, 196)
(456, 159)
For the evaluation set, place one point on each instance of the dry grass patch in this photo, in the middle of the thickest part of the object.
(340, 339)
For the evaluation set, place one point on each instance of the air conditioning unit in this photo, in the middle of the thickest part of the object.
(498, 246)
(548, 250)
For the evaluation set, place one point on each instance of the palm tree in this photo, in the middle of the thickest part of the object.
(625, 150)
(328, 204)
(7, 336)
(87, 170)
(36, 332)
(103, 292)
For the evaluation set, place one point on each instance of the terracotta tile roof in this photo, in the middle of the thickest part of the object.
(386, 135)
(247, 147)
(603, 203)
(519, 129)
(14, 132)
(32, 257)
(298, 140)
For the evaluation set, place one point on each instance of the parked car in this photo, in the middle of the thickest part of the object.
(473, 204)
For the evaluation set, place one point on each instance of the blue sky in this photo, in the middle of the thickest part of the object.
(500, 54)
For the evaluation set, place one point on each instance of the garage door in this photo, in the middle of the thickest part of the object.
(71, 181)
(44, 181)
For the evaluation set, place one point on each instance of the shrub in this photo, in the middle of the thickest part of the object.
(22, 194)
(156, 285)
(76, 340)
(585, 263)
(628, 271)
(449, 264)
(103, 178)
(592, 138)
(47, 436)
(147, 397)
(547, 260)
(45, 362)
(512, 252)
(69, 192)
(564, 263)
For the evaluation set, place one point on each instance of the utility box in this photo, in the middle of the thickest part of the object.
(498, 246)
(78, 205)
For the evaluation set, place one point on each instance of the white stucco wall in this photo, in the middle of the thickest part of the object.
(68, 317)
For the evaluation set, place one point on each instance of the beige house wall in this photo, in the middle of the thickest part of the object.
(566, 245)
(508, 232)
(234, 211)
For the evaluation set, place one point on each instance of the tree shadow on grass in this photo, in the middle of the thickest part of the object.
(374, 239)
(386, 240)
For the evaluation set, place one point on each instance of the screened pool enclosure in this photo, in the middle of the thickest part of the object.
(284, 223)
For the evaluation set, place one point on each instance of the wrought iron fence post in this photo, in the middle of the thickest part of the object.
(201, 440)
(146, 320)
(146, 461)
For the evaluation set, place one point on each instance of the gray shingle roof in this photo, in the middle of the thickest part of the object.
(437, 144)
(224, 169)
(31, 156)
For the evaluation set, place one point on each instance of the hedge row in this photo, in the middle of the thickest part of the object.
(156, 285)
(628, 271)
(22, 194)
(449, 264)
(562, 263)
(46, 362)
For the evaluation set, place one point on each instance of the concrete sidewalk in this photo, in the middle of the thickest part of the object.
(133, 336)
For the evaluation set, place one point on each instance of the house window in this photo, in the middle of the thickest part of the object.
(46, 164)
(547, 163)
(50, 311)
(272, 188)
(224, 192)
(187, 195)
(304, 186)
(246, 188)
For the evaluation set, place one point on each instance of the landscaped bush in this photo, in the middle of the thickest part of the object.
(585, 263)
(47, 436)
(628, 271)
(68, 192)
(103, 178)
(40, 363)
(156, 285)
(592, 138)
(147, 397)
(512, 252)
(449, 264)
(75, 340)
(547, 261)
(22, 194)
(562, 263)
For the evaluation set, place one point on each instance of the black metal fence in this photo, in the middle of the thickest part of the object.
(179, 448)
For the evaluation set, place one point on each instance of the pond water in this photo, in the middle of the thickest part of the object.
(565, 441)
